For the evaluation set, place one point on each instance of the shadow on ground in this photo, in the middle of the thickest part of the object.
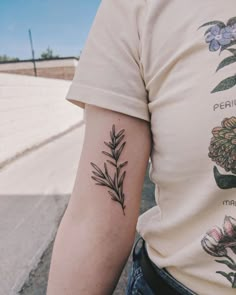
(37, 282)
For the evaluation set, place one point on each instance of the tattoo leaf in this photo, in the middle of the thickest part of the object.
(110, 145)
(112, 137)
(123, 164)
(95, 173)
(105, 167)
(119, 140)
(110, 180)
(121, 179)
(100, 182)
(120, 133)
(113, 154)
(113, 164)
(121, 190)
(116, 200)
(107, 154)
(123, 197)
(98, 169)
(112, 194)
(120, 150)
(115, 180)
(113, 130)
(118, 172)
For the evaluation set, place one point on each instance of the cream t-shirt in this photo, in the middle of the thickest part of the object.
(173, 63)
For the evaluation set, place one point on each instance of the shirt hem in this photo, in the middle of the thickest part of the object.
(79, 95)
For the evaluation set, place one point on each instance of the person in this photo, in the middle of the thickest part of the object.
(156, 80)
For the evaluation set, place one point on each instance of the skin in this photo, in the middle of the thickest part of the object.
(96, 234)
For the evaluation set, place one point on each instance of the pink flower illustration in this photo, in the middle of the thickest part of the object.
(230, 232)
(213, 242)
(217, 242)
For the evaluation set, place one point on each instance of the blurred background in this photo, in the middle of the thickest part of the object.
(41, 134)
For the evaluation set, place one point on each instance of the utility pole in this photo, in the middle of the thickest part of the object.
(32, 49)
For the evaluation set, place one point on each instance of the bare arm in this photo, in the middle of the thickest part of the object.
(97, 231)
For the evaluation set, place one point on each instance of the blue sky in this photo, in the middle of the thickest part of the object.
(63, 25)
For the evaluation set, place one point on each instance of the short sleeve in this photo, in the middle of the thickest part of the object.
(109, 73)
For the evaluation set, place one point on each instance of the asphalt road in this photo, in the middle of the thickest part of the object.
(37, 282)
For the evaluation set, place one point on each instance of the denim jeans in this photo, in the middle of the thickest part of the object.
(137, 284)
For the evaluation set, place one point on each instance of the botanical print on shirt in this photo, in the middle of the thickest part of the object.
(222, 151)
(221, 242)
(223, 36)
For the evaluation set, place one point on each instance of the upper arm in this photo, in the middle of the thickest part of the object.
(97, 231)
(118, 199)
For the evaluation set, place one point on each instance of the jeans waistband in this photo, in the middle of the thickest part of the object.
(158, 277)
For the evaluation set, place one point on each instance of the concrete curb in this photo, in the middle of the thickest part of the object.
(24, 276)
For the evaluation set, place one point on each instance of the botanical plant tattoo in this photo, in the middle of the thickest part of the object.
(115, 183)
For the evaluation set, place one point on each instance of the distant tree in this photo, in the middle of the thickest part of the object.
(48, 54)
(5, 57)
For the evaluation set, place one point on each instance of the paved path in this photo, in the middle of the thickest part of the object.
(41, 139)
(32, 111)
(34, 193)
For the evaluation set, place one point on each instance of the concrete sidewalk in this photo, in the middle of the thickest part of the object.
(34, 186)
(33, 111)
(35, 190)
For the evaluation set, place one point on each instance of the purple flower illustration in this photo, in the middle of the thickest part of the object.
(218, 37)
(222, 36)
(227, 33)
(234, 31)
